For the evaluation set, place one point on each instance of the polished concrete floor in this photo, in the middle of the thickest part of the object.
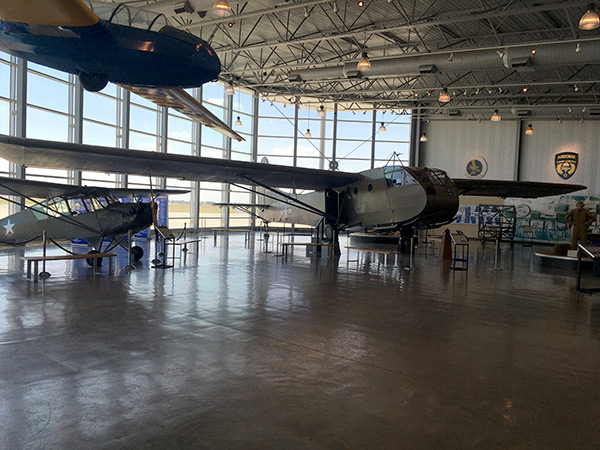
(235, 348)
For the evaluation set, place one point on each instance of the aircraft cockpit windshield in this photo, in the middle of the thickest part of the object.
(122, 14)
(398, 176)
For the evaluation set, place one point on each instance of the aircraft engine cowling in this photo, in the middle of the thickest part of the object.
(93, 82)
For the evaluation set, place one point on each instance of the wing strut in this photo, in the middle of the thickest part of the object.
(59, 216)
(299, 204)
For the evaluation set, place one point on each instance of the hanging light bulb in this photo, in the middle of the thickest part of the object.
(423, 138)
(229, 90)
(321, 111)
(382, 128)
(221, 8)
(529, 130)
(496, 117)
(444, 96)
(364, 65)
(238, 122)
(308, 135)
(590, 20)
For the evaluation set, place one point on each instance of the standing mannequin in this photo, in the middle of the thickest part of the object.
(580, 218)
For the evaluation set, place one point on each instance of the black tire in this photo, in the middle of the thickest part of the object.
(93, 82)
(137, 252)
(329, 233)
(92, 261)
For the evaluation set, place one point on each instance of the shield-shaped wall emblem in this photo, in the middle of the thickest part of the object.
(565, 164)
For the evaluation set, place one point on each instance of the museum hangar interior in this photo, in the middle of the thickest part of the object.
(235, 346)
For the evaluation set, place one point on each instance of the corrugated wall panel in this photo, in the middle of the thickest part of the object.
(551, 137)
(451, 144)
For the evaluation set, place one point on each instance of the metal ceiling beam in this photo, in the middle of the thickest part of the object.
(262, 12)
(432, 22)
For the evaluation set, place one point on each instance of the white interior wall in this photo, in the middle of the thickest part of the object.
(453, 143)
(552, 137)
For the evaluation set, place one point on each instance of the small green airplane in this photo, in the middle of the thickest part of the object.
(65, 211)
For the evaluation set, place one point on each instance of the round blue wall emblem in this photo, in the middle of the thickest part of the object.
(476, 167)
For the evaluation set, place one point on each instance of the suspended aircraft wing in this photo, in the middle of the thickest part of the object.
(66, 13)
(519, 189)
(183, 102)
(61, 155)
(42, 189)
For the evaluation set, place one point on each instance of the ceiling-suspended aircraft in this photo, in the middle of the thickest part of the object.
(393, 196)
(67, 212)
(136, 49)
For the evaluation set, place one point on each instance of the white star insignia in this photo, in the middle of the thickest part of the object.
(8, 226)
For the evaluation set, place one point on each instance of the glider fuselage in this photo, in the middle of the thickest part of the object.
(124, 54)
(384, 197)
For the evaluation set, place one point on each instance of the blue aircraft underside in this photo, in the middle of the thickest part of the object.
(144, 58)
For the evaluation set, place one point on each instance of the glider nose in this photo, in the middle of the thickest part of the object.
(206, 60)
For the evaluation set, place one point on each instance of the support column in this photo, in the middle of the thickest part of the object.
(75, 122)
(296, 112)
(414, 158)
(225, 188)
(163, 134)
(18, 119)
(334, 138)
(254, 151)
(196, 151)
(373, 131)
(123, 121)
(518, 144)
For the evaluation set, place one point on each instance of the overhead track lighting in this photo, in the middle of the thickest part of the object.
(382, 128)
(221, 8)
(529, 130)
(364, 65)
(238, 122)
(590, 20)
(496, 117)
(423, 138)
(444, 96)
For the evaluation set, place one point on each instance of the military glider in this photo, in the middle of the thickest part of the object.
(136, 49)
(67, 212)
(393, 196)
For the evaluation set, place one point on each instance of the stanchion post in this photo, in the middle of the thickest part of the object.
(129, 265)
(43, 273)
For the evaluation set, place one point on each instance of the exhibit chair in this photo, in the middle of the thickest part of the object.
(527, 236)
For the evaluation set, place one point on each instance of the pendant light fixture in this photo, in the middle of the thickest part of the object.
(238, 122)
(423, 138)
(529, 130)
(321, 111)
(496, 117)
(382, 128)
(590, 20)
(444, 96)
(364, 65)
(221, 8)
(229, 90)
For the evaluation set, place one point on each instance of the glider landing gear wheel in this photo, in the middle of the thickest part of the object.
(329, 233)
(92, 261)
(93, 82)
(137, 252)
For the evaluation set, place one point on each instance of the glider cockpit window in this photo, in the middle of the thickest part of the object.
(398, 176)
(122, 14)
